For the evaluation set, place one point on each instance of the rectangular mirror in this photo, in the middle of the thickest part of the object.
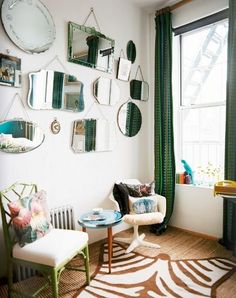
(88, 47)
(55, 90)
(139, 90)
(93, 135)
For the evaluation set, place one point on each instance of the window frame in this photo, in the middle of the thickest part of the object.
(179, 32)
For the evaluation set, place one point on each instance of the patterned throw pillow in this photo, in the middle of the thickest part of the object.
(30, 217)
(134, 190)
(143, 205)
(147, 189)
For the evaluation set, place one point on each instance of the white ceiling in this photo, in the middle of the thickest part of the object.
(152, 5)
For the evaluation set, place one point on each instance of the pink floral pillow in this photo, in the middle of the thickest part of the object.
(30, 217)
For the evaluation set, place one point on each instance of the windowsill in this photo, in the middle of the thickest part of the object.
(196, 186)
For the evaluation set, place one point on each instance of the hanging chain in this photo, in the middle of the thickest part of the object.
(56, 58)
(140, 70)
(94, 16)
(17, 95)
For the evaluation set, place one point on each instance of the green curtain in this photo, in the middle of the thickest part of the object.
(163, 115)
(229, 213)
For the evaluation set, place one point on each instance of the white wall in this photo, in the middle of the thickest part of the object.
(195, 208)
(82, 180)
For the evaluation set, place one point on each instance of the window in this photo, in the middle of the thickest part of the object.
(203, 72)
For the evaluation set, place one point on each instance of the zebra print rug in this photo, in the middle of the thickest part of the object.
(134, 275)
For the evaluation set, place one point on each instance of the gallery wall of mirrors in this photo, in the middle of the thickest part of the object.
(50, 89)
(55, 90)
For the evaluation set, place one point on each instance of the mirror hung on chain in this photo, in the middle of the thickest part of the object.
(18, 135)
(139, 89)
(93, 135)
(129, 119)
(28, 24)
(106, 91)
(90, 48)
(50, 89)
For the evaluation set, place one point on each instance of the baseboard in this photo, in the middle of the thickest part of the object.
(205, 236)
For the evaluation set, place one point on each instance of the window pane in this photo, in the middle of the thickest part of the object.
(204, 55)
(203, 132)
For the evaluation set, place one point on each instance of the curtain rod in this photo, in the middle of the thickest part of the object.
(175, 6)
(179, 4)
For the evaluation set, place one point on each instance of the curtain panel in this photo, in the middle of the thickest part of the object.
(163, 115)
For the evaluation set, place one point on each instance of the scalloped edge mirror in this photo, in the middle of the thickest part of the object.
(49, 89)
(28, 24)
(20, 136)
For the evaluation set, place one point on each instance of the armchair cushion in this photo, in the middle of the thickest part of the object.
(53, 249)
(143, 219)
(30, 217)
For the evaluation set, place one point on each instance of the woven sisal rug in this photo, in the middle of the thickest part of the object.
(134, 275)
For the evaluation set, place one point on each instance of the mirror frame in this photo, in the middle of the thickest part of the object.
(12, 29)
(119, 119)
(71, 28)
(9, 134)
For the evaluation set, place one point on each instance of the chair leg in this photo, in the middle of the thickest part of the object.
(54, 283)
(136, 240)
(86, 264)
(10, 278)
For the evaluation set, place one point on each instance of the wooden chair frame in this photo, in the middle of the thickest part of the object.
(20, 190)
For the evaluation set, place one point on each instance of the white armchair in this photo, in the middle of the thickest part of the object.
(140, 219)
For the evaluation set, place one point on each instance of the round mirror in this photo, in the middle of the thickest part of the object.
(106, 91)
(28, 24)
(18, 136)
(129, 119)
(131, 51)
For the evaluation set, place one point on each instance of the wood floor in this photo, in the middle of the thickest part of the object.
(174, 242)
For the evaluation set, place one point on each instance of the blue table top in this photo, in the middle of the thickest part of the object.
(104, 219)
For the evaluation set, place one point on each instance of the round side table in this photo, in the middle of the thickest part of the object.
(105, 219)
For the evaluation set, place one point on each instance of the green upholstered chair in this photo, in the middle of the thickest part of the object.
(48, 255)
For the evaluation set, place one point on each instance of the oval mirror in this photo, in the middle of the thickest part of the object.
(131, 51)
(129, 119)
(19, 136)
(106, 91)
(50, 89)
(93, 135)
(139, 90)
(28, 24)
